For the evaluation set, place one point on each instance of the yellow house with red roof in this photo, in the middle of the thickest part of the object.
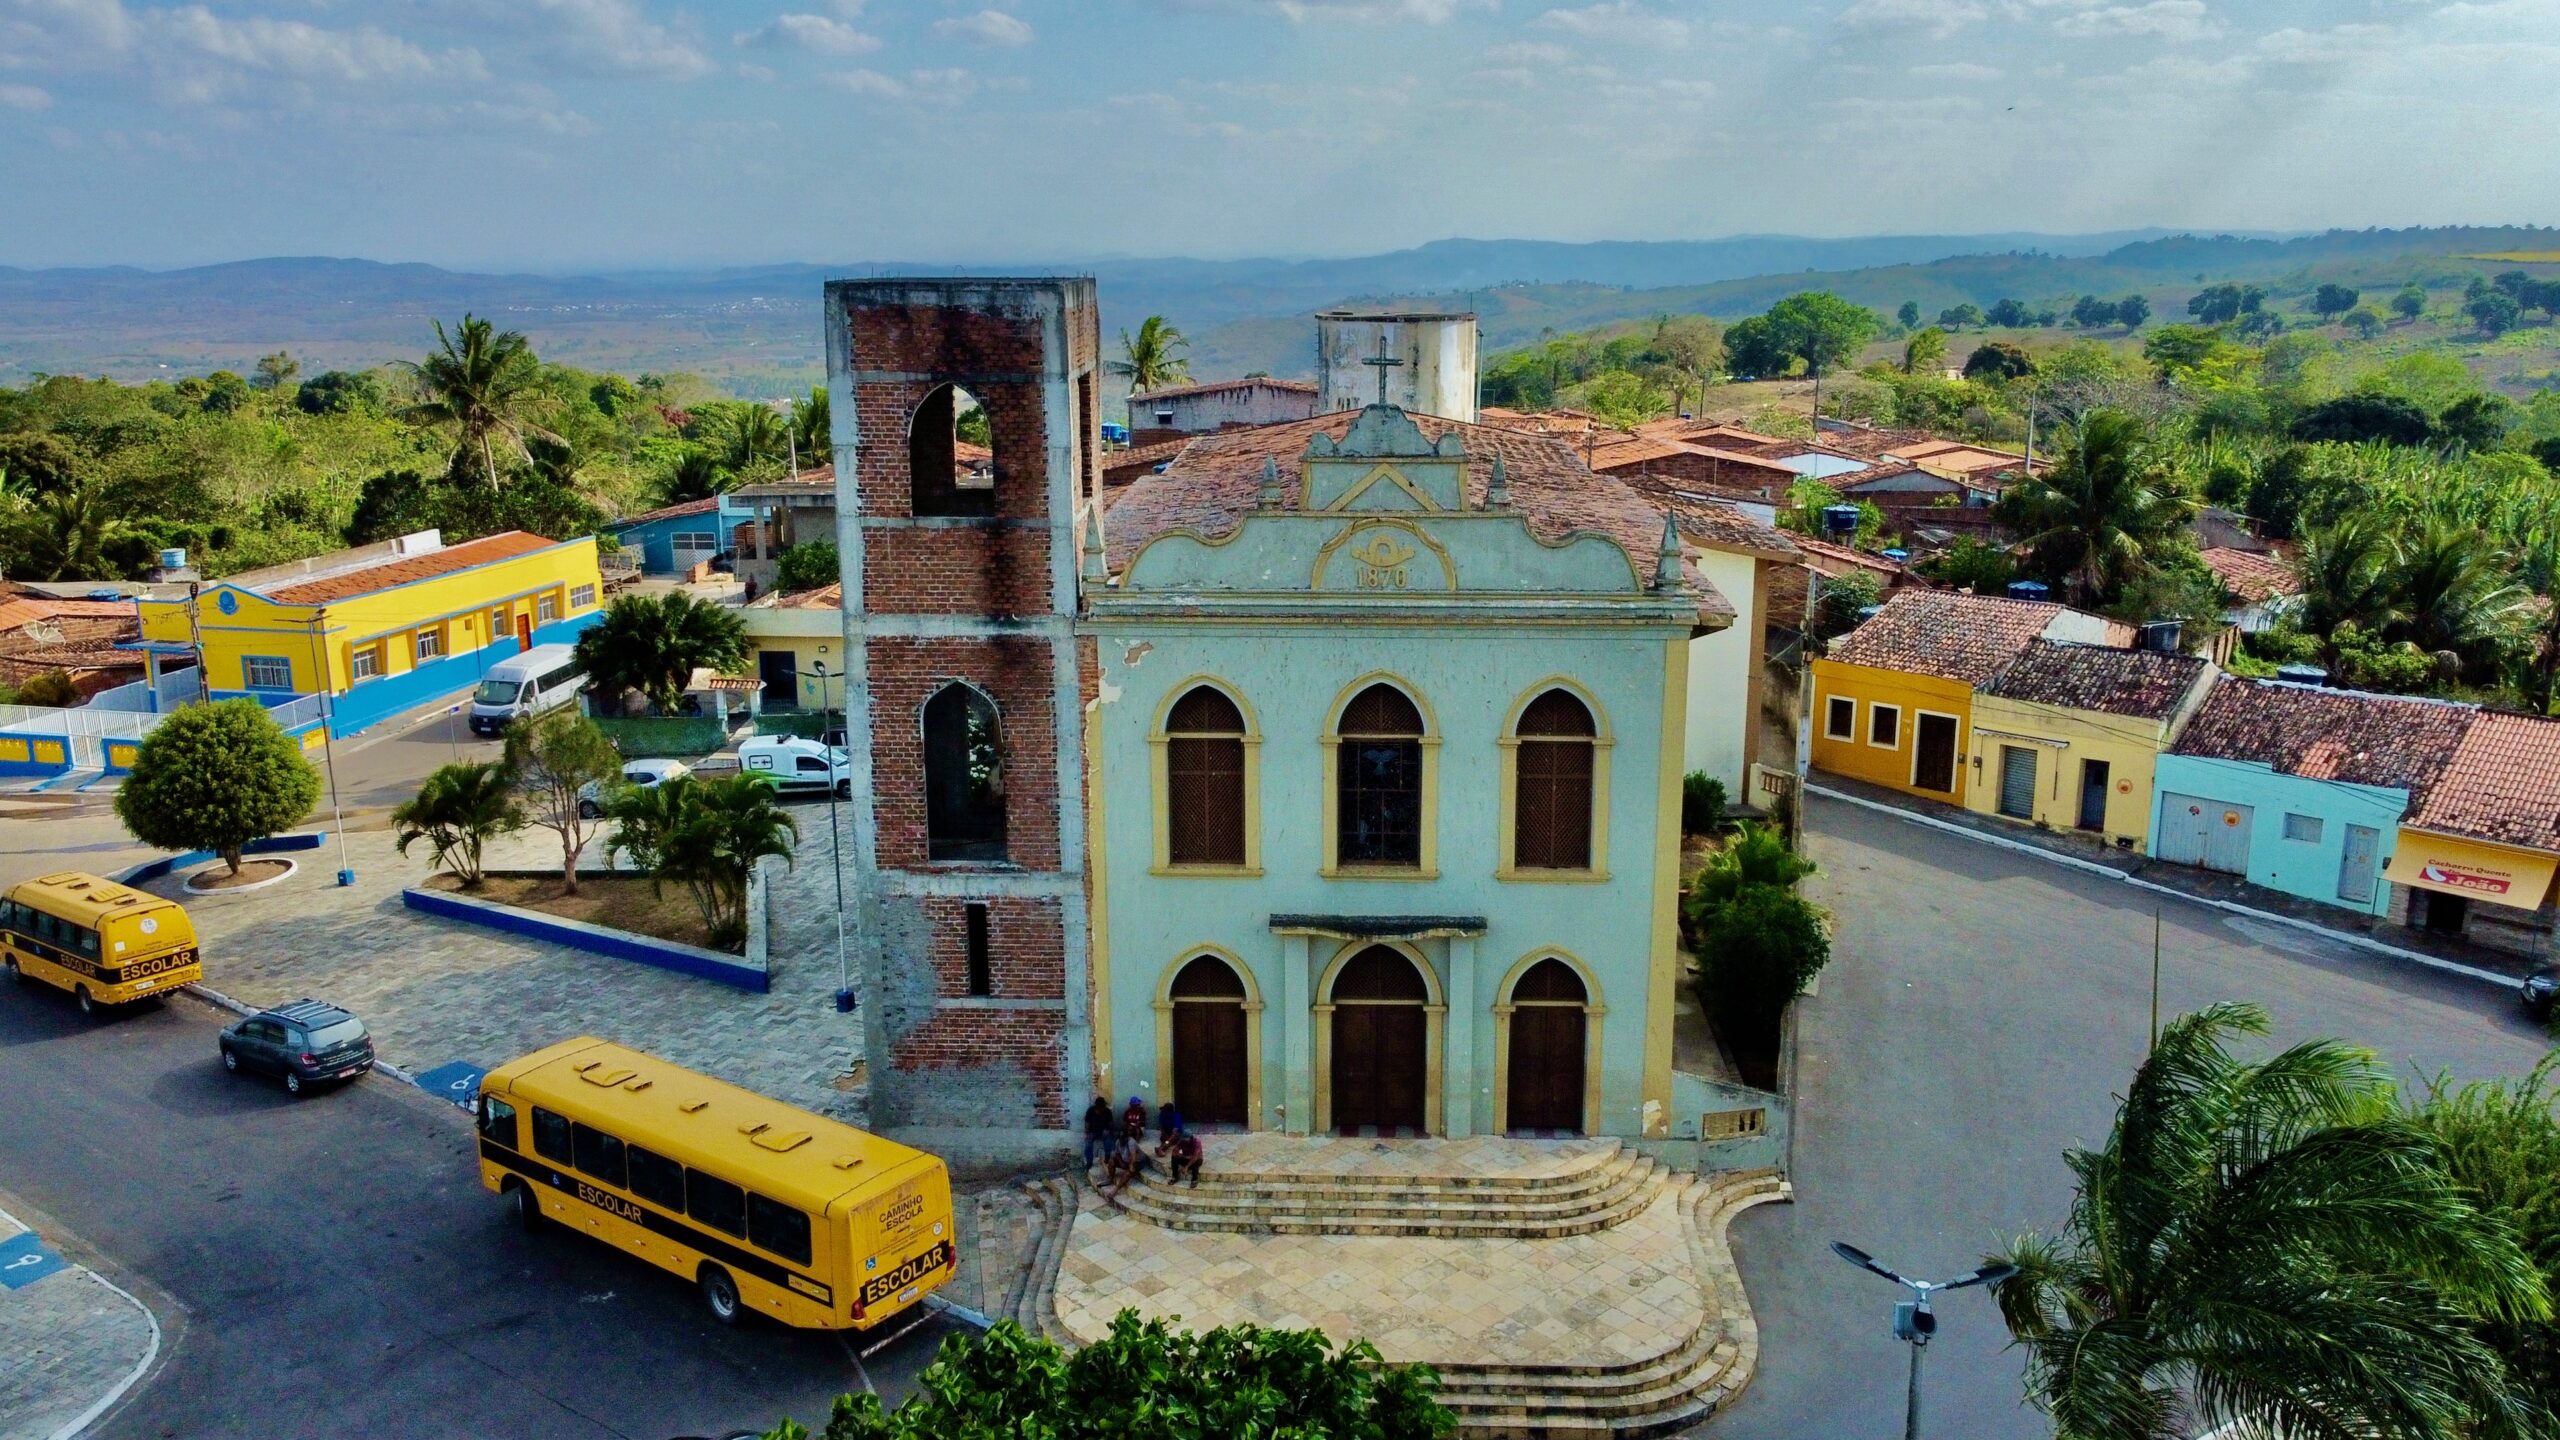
(2479, 852)
(382, 628)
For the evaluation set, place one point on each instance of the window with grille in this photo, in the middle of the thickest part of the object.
(582, 596)
(265, 672)
(1204, 780)
(430, 644)
(2302, 827)
(1551, 811)
(365, 662)
(546, 608)
(963, 777)
(1379, 797)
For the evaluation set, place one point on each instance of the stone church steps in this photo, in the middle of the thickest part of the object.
(1035, 1298)
(1603, 1197)
(1659, 1396)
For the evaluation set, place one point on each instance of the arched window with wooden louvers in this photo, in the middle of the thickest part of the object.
(1379, 782)
(1205, 780)
(963, 776)
(1554, 772)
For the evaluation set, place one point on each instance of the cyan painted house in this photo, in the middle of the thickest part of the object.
(674, 539)
(1388, 738)
(2300, 788)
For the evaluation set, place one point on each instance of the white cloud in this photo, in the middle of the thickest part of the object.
(2165, 19)
(1526, 53)
(1955, 70)
(811, 32)
(1938, 17)
(988, 27)
(24, 97)
(1430, 12)
(929, 87)
(616, 37)
(1620, 22)
(292, 48)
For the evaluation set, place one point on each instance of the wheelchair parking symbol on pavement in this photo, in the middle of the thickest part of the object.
(24, 1261)
(458, 1082)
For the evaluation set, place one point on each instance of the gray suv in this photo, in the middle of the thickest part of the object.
(308, 1043)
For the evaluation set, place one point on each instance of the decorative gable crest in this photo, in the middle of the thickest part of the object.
(1383, 462)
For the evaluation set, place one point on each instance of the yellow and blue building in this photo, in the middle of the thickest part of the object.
(385, 628)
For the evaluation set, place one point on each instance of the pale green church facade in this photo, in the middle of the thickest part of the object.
(1385, 747)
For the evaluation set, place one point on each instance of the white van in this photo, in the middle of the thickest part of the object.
(545, 677)
(788, 762)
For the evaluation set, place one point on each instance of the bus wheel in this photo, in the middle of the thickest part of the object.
(88, 1006)
(10, 963)
(528, 1209)
(720, 1293)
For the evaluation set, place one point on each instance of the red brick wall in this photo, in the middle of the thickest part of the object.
(1025, 1041)
(979, 569)
(1025, 937)
(1015, 672)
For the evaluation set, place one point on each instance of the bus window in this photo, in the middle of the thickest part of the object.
(498, 1121)
(88, 941)
(778, 1228)
(550, 1136)
(47, 928)
(598, 1154)
(715, 1202)
(656, 1179)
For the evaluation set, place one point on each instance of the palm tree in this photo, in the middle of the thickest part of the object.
(1149, 360)
(458, 811)
(643, 817)
(725, 826)
(2104, 514)
(65, 534)
(480, 381)
(2347, 574)
(813, 429)
(2271, 1245)
(746, 433)
(654, 643)
(696, 476)
(2459, 593)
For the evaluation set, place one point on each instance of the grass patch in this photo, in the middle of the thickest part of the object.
(617, 902)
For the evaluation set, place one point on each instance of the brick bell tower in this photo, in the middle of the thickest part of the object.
(966, 686)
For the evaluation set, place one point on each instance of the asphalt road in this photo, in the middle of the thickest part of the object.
(1981, 1012)
(340, 1271)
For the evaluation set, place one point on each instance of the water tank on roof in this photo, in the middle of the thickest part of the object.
(2160, 636)
(173, 559)
(2302, 674)
(1868, 612)
(2028, 590)
(1896, 554)
(106, 594)
(1840, 519)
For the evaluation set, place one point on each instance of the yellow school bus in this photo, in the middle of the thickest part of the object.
(105, 943)
(768, 1210)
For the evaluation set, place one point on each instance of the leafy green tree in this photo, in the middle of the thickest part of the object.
(480, 383)
(2478, 421)
(695, 475)
(1843, 596)
(1702, 802)
(723, 827)
(2347, 572)
(643, 817)
(654, 643)
(813, 429)
(1757, 855)
(1819, 328)
(809, 565)
(1970, 564)
(1689, 349)
(552, 760)
(275, 372)
(2495, 313)
(1152, 359)
(1622, 397)
(2500, 1140)
(1908, 315)
(1756, 952)
(42, 462)
(2010, 314)
(2089, 312)
(2132, 311)
(2333, 300)
(1925, 352)
(2276, 496)
(69, 535)
(2363, 323)
(2104, 514)
(1146, 1379)
(745, 435)
(2365, 415)
(52, 689)
(2411, 302)
(225, 392)
(2240, 1223)
(1755, 350)
(2225, 303)
(1999, 360)
(1967, 316)
(338, 392)
(458, 810)
(2458, 594)
(215, 777)
(2361, 660)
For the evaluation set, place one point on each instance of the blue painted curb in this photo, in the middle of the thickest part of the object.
(577, 934)
(158, 869)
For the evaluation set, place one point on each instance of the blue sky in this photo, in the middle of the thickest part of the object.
(577, 134)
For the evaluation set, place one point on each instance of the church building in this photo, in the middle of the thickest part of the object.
(1328, 783)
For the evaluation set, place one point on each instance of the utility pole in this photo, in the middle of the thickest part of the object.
(1913, 1320)
(328, 738)
(835, 835)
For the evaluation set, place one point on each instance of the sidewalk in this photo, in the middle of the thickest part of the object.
(2228, 892)
(75, 1341)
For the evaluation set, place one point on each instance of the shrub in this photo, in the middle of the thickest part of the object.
(458, 811)
(722, 828)
(52, 688)
(1702, 802)
(810, 565)
(1757, 951)
(654, 643)
(215, 777)
(1757, 855)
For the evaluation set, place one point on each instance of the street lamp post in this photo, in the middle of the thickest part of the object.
(1913, 1320)
(328, 742)
(835, 835)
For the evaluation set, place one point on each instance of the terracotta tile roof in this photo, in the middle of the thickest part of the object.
(668, 512)
(1966, 638)
(1212, 486)
(2250, 576)
(2323, 734)
(815, 478)
(452, 558)
(2501, 784)
(19, 608)
(1720, 525)
(1210, 387)
(825, 597)
(2144, 684)
(1617, 450)
(1840, 555)
(1124, 463)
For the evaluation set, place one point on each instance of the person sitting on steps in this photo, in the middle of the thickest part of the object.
(1183, 1148)
(1168, 1122)
(1099, 1124)
(1133, 1121)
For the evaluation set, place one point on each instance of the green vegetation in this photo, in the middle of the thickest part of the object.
(458, 811)
(1238, 1382)
(1152, 359)
(717, 831)
(1702, 802)
(2273, 1244)
(2501, 1142)
(809, 565)
(1758, 943)
(215, 777)
(552, 759)
(654, 643)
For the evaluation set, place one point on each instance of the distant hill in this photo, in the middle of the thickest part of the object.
(755, 329)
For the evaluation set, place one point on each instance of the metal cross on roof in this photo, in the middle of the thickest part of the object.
(1384, 363)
